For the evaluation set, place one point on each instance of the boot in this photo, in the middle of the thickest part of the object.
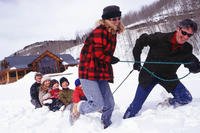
(74, 114)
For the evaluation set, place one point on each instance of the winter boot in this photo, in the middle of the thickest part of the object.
(129, 113)
(74, 114)
(165, 103)
(106, 124)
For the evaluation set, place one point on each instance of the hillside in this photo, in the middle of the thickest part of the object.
(163, 9)
(58, 46)
(165, 18)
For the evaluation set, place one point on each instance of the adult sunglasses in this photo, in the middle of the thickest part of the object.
(185, 33)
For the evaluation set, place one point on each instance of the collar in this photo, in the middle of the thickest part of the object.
(111, 27)
(174, 44)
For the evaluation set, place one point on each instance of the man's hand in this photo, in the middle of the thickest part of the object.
(194, 67)
(137, 66)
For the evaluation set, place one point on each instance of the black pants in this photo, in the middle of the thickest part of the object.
(55, 105)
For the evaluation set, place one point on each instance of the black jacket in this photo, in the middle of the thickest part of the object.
(34, 92)
(161, 51)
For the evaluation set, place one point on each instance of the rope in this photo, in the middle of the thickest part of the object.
(159, 62)
(151, 73)
(122, 82)
(169, 80)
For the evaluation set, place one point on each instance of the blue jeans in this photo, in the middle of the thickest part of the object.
(99, 98)
(181, 96)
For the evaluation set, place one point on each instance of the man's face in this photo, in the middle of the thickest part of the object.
(183, 34)
(38, 79)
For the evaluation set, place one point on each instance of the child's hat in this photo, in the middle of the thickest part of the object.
(77, 82)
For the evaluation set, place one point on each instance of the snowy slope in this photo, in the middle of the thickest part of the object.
(19, 116)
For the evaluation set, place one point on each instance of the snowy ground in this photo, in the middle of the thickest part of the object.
(17, 115)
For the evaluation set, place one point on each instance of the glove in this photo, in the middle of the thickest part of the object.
(46, 96)
(48, 101)
(137, 66)
(114, 60)
(194, 67)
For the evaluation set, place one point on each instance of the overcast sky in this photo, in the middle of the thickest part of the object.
(23, 22)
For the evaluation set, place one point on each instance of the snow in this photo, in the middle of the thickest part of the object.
(19, 116)
(12, 68)
(65, 63)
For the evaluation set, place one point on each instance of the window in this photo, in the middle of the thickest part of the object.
(12, 74)
(47, 65)
(21, 73)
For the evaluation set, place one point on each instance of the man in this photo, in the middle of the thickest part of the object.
(34, 91)
(164, 47)
(95, 67)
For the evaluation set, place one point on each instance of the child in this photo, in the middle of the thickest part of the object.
(54, 91)
(65, 94)
(78, 94)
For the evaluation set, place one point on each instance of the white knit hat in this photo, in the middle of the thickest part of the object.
(44, 78)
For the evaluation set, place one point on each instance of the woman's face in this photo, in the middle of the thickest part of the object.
(47, 83)
(115, 20)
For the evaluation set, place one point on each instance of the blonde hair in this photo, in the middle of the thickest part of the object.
(111, 27)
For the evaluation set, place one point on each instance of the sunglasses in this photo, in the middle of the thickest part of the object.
(185, 33)
(115, 19)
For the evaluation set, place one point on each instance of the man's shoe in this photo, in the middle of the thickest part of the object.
(165, 103)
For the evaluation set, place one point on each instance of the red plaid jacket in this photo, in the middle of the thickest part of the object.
(96, 54)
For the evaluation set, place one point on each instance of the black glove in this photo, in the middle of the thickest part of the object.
(114, 60)
(194, 67)
(137, 66)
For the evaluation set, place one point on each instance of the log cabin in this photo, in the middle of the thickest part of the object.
(13, 68)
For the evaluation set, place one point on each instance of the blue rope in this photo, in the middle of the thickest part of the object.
(157, 62)
(169, 80)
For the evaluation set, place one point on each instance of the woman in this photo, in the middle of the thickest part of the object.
(44, 95)
(95, 70)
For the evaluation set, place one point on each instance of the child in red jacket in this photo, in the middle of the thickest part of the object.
(54, 91)
(78, 94)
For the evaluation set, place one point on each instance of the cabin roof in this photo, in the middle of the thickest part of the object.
(23, 61)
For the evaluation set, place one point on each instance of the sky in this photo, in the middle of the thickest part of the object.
(24, 22)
